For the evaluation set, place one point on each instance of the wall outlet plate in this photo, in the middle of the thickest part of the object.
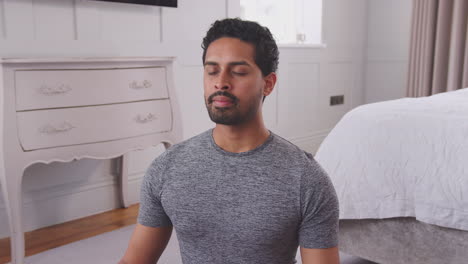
(337, 100)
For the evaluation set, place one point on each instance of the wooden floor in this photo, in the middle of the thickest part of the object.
(58, 235)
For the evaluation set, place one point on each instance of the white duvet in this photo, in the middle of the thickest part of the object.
(407, 157)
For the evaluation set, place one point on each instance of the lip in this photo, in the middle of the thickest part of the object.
(222, 101)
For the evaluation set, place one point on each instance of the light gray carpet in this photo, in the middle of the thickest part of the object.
(108, 248)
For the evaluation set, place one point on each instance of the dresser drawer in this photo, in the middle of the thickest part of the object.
(79, 125)
(40, 89)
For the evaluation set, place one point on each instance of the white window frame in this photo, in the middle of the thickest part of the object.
(298, 6)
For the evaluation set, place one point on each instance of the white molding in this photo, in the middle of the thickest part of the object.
(302, 46)
(86, 48)
(84, 59)
(315, 134)
(311, 143)
(387, 60)
(135, 177)
(341, 61)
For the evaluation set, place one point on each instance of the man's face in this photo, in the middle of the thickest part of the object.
(233, 83)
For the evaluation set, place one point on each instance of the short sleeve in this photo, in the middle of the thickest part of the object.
(151, 212)
(319, 209)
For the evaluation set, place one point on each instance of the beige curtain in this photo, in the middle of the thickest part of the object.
(439, 47)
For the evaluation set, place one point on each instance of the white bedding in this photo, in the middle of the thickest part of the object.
(407, 157)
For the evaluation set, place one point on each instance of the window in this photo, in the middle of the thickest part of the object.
(290, 22)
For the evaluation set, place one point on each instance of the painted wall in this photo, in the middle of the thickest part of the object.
(388, 39)
(66, 28)
(298, 109)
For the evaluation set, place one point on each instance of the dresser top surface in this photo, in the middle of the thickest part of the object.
(83, 59)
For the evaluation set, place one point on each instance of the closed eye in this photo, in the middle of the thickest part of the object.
(240, 73)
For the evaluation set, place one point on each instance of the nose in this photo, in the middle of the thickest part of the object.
(223, 81)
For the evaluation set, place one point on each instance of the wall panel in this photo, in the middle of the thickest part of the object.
(270, 108)
(310, 143)
(232, 8)
(190, 93)
(298, 98)
(19, 19)
(2, 21)
(339, 29)
(129, 22)
(139, 160)
(81, 28)
(54, 20)
(386, 80)
(389, 29)
(338, 78)
(339, 81)
(176, 23)
(59, 175)
(88, 22)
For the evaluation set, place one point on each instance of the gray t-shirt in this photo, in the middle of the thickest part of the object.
(250, 207)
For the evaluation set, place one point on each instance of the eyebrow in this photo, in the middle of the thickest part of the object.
(234, 63)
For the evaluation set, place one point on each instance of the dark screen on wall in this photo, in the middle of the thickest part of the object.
(170, 3)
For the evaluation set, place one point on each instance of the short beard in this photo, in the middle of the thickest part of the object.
(224, 116)
(230, 116)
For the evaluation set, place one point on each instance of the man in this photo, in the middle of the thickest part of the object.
(237, 193)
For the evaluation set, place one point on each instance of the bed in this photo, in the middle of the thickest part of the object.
(400, 169)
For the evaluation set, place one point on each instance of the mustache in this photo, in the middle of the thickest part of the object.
(222, 93)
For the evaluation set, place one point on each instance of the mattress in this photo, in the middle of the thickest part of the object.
(402, 158)
(403, 241)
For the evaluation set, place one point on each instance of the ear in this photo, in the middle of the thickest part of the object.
(270, 81)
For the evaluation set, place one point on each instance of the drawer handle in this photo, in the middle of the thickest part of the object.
(62, 128)
(145, 119)
(61, 89)
(145, 84)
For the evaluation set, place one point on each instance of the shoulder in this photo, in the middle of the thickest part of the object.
(291, 153)
(311, 172)
(198, 141)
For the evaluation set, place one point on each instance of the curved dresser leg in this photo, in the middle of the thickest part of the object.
(11, 182)
(124, 180)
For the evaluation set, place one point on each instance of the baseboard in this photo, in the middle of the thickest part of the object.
(54, 205)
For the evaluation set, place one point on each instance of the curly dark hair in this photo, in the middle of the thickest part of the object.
(266, 50)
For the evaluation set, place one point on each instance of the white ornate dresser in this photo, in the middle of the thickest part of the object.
(67, 109)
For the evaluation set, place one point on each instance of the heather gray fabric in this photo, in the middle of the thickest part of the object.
(250, 207)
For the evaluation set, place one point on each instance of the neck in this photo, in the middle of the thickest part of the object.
(240, 138)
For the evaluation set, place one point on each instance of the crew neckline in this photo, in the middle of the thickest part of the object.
(240, 154)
